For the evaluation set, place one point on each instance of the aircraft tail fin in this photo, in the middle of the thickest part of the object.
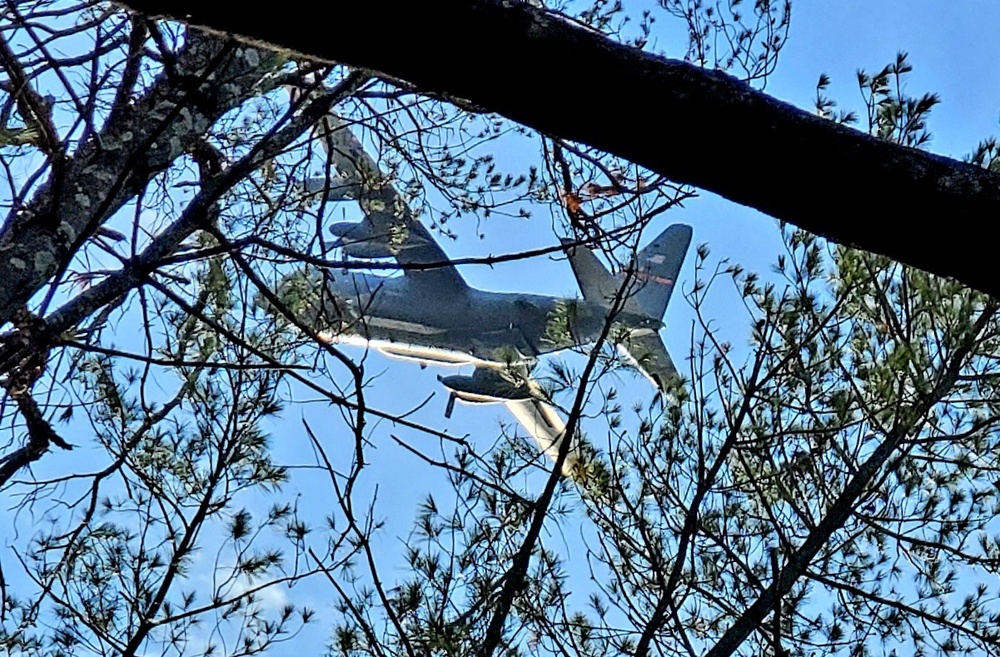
(596, 283)
(659, 264)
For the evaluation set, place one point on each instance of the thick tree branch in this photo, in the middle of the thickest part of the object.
(35, 112)
(39, 239)
(23, 352)
(693, 125)
(41, 436)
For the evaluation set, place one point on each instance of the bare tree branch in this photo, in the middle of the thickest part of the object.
(38, 239)
(693, 125)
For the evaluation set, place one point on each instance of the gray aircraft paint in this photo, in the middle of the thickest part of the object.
(430, 315)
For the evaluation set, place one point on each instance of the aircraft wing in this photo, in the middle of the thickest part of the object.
(525, 400)
(389, 227)
(647, 353)
(544, 424)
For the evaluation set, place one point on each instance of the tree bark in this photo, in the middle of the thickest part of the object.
(138, 141)
(695, 126)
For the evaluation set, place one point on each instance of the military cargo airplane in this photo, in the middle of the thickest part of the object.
(431, 316)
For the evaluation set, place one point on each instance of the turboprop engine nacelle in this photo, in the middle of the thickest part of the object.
(366, 250)
(485, 386)
(357, 241)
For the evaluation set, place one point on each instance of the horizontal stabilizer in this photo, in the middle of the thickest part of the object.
(647, 353)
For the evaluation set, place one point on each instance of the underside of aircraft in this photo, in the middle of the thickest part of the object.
(431, 316)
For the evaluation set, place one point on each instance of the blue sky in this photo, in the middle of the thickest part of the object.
(954, 51)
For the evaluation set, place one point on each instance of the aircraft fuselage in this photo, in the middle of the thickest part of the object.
(493, 327)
